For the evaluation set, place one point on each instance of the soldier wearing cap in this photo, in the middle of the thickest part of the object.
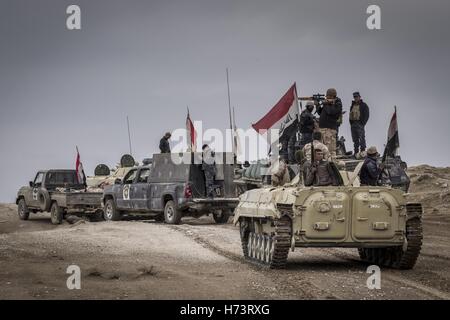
(307, 122)
(370, 170)
(164, 145)
(329, 112)
(359, 115)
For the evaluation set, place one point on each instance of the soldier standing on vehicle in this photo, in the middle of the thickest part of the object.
(319, 172)
(307, 124)
(359, 115)
(329, 112)
(317, 140)
(209, 168)
(164, 145)
(370, 170)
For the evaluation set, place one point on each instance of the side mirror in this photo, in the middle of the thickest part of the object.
(246, 164)
(118, 181)
(31, 184)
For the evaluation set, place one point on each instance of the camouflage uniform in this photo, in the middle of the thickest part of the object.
(317, 145)
(329, 139)
(319, 174)
(209, 168)
(279, 173)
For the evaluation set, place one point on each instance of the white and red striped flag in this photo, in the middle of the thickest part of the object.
(191, 134)
(80, 171)
(283, 116)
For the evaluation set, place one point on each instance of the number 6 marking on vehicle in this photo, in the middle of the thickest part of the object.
(35, 192)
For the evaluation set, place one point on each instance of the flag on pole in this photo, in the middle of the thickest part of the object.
(283, 116)
(393, 142)
(191, 134)
(79, 169)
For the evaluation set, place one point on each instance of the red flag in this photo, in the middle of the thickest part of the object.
(191, 134)
(282, 115)
(81, 177)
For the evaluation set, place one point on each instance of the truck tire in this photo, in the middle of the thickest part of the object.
(57, 213)
(44, 200)
(172, 215)
(222, 217)
(111, 213)
(22, 210)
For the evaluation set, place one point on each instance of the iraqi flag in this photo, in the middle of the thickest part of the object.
(283, 116)
(191, 134)
(393, 142)
(80, 171)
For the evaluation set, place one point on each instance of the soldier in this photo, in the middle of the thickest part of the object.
(329, 112)
(359, 115)
(319, 173)
(164, 145)
(307, 124)
(279, 173)
(370, 169)
(317, 140)
(209, 168)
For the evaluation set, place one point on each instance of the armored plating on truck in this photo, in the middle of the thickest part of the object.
(378, 221)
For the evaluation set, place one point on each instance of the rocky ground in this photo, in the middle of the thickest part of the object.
(201, 260)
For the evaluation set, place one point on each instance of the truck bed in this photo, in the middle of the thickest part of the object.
(78, 200)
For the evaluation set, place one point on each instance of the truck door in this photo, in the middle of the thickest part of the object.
(140, 193)
(124, 196)
(31, 197)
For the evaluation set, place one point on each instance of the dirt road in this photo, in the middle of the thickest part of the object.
(195, 260)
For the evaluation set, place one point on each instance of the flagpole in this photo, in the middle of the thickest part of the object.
(229, 112)
(129, 136)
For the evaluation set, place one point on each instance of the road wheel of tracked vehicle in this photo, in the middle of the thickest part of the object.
(172, 214)
(271, 250)
(22, 210)
(111, 213)
(403, 257)
(221, 216)
(57, 213)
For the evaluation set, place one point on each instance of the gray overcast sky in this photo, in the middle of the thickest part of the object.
(149, 59)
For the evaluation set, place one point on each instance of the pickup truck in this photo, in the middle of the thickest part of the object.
(59, 192)
(166, 191)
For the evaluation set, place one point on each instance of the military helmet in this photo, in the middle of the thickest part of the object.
(331, 92)
(309, 104)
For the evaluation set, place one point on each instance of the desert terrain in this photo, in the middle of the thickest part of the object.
(143, 259)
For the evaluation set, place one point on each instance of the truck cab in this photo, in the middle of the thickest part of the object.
(168, 191)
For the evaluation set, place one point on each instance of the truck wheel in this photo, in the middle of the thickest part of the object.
(22, 210)
(221, 217)
(44, 200)
(57, 214)
(171, 214)
(111, 213)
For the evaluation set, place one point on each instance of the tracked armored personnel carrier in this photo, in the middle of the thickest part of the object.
(103, 176)
(386, 230)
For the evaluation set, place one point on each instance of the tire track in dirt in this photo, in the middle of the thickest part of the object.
(283, 281)
(402, 280)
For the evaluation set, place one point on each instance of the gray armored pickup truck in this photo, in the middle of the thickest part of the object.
(59, 192)
(167, 191)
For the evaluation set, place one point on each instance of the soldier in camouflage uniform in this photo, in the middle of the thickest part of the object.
(317, 140)
(209, 168)
(329, 112)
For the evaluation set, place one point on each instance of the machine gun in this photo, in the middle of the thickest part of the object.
(318, 98)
